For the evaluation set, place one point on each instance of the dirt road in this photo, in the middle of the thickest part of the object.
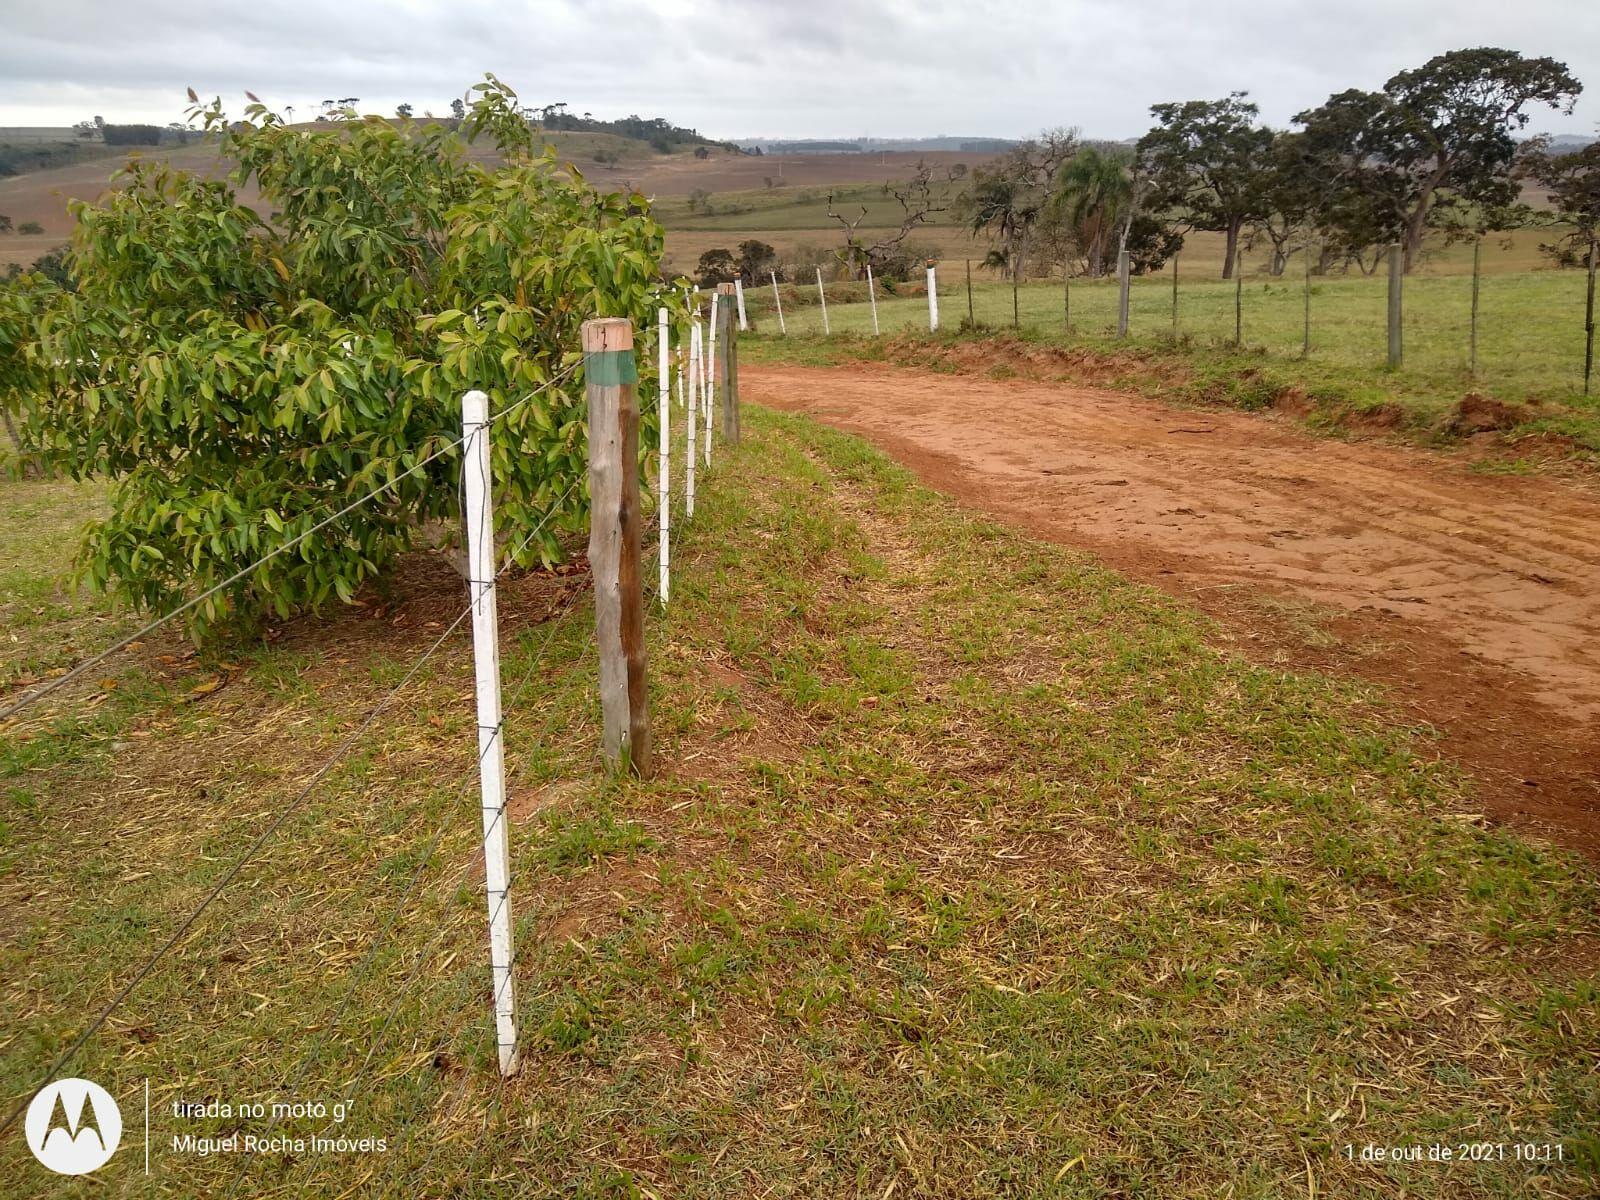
(1476, 598)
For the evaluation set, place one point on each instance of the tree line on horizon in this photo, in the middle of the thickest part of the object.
(1436, 148)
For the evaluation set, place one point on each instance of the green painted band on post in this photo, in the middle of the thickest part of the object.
(610, 368)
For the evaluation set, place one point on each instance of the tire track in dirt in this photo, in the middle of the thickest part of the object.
(1475, 598)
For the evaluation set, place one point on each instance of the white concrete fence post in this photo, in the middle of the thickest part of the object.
(823, 297)
(664, 484)
(778, 300)
(692, 396)
(933, 301)
(491, 742)
(872, 296)
(738, 295)
(709, 392)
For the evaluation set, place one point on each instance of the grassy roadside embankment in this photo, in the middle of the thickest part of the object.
(1530, 365)
(974, 870)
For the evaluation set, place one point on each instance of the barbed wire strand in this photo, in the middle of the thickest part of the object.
(238, 865)
(272, 828)
(429, 948)
(304, 1068)
(28, 699)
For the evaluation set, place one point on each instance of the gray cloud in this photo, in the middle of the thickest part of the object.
(762, 67)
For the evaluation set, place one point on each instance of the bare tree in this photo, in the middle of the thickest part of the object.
(918, 205)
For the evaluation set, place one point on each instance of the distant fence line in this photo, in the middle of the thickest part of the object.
(1376, 319)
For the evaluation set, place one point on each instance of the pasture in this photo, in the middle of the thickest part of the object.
(983, 871)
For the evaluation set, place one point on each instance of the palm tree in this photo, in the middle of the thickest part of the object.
(1094, 192)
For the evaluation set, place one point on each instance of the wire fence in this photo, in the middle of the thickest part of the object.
(1524, 332)
(685, 340)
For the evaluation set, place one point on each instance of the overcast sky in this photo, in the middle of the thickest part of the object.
(775, 68)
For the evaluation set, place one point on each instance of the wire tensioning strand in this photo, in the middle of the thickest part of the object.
(303, 1071)
(233, 870)
(255, 846)
(28, 699)
(390, 924)
(428, 950)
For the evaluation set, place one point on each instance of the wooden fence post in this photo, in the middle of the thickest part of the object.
(479, 516)
(1305, 336)
(1124, 282)
(728, 367)
(1238, 297)
(614, 537)
(1397, 273)
(711, 368)
(1472, 338)
(1588, 318)
(1174, 296)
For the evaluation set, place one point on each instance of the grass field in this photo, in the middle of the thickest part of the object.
(975, 870)
(794, 213)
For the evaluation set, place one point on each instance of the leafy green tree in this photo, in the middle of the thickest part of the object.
(1440, 136)
(1150, 241)
(1290, 201)
(240, 379)
(1573, 183)
(5, 223)
(23, 298)
(30, 227)
(756, 260)
(1007, 198)
(1207, 162)
(403, 111)
(132, 135)
(1354, 210)
(716, 266)
(53, 266)
(1003, 204)
(458, 109)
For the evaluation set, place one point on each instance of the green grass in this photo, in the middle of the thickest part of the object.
(796, 208)
(1526, 354)
(49, 621)
(973, 870)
